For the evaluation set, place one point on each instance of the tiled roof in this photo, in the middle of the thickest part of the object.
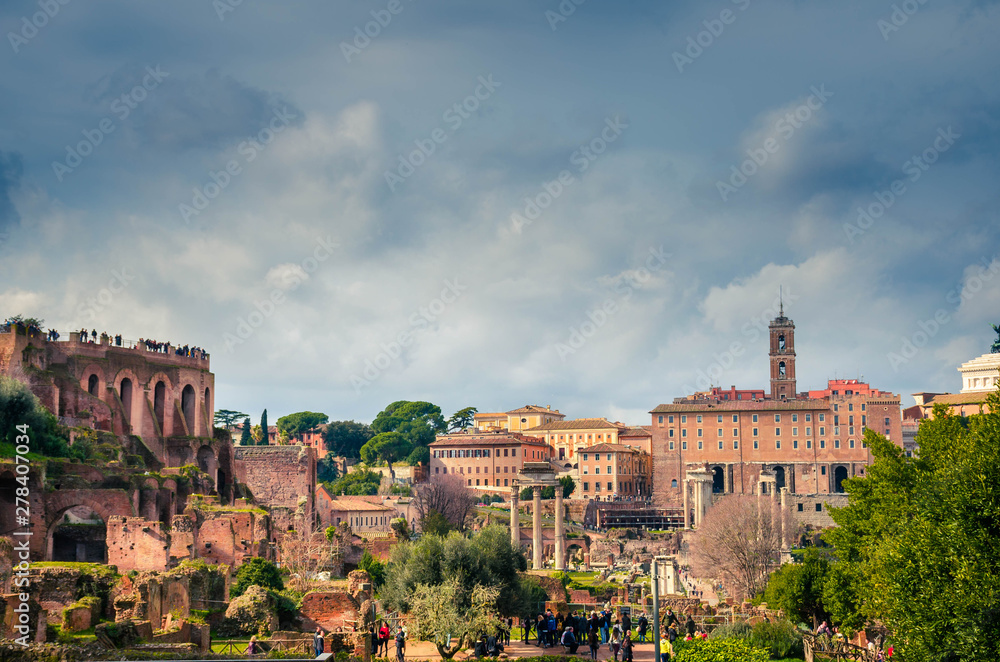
(490, 414)
(577, 424)
(534, 409)
(743, 405)
(957, 398)
(641, 431)
(608, 448)
(486, 439)
(349, 503)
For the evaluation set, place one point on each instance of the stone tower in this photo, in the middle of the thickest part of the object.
(782, 356)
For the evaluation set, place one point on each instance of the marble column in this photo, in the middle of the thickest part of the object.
(560, 530)
(687, 508)
(536, 529)
(515, 523)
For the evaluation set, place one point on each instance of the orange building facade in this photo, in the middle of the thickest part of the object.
(485, 461)
(811, 441)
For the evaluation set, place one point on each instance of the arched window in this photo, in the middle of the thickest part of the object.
(673, 483)
(781, 369)
(187, 406)
(126, 396)
(92, 382)
(159, 400)
(781, 341)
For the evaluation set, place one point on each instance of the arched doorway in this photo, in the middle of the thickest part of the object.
(779, 478)
(8, 487)
(718, 480)
(125, 393)
(839, 476)
(159, 406)
(92, 383)
(187, 406)
(206, 460)
(80, 536)
(208, 400)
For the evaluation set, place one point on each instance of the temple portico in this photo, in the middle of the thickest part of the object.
(538, 475)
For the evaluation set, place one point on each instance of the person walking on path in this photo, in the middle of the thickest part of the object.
(400, 645)
(540, 628)
(643, 623)
(627, 647)
(594, 640)
(383, 639)
(626, 625)
(605, 625)
(318, 642)
(689, 625)
(616, 639)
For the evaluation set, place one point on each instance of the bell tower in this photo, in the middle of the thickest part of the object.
(782, 355)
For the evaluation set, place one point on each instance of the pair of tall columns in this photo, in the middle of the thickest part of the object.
(536, 529)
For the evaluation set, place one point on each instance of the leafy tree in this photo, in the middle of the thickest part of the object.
(363, 482)
(439, 616)
(345, 438)
(435, 524)
(400, 528)
(568, 484)
(226, 418)
(326, 469)
(419, 455)
(245, 438)
(300, 422)
(530, 597)
(265, 437)
(256, 571)
(418, 422)
(19, 406)
(797, 588)
(462, 419)
(568, 487)
(374, 568)
(255, 435)
(386, 447)
(920, 534)
(486, 558)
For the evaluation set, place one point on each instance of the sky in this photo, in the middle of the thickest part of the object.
(584, 204)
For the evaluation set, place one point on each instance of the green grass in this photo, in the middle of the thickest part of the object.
(8, 450)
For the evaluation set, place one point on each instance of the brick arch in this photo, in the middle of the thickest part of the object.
(103, 502)
(94, 369)
(134, 410)
(162, 406)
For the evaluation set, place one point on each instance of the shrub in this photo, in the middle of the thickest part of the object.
(782, 639)
(711, 650)
(251, 613)
(256, 572)
(734, 631)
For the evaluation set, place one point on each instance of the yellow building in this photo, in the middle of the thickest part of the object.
(516, 420)
(566, 437)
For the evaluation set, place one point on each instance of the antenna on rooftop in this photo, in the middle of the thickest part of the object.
(781, 303)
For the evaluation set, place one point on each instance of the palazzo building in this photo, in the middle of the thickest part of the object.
(811, 441)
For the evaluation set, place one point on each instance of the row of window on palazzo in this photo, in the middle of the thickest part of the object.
(484, 452)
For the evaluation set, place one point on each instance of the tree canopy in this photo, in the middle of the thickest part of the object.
(345, 438)
(386, 447)
(300, 422)
(245, 438)
(226, 418)
(256, 571)
(463, 418)
(918, 538)
(486, 558)
(363, 482)
(265, 439)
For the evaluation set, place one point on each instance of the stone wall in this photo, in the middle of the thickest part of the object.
(334, 611)
(809, 516)
(279, 477)
(135, 543)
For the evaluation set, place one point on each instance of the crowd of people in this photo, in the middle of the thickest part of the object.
(190, 351)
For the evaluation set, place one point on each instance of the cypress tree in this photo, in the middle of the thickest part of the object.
(245, 438)
(264, 441)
